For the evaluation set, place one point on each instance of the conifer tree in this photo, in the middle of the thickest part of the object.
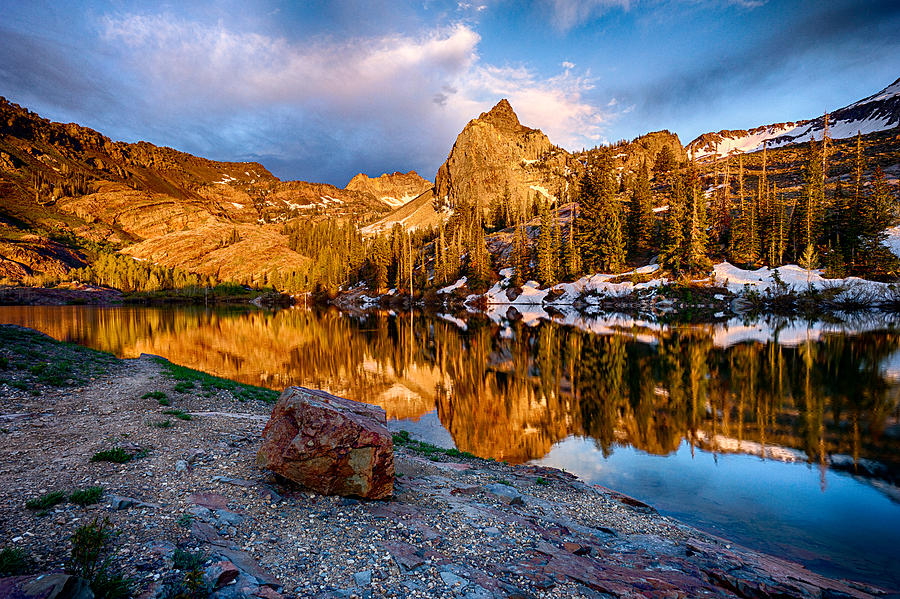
(479, 258)
(556, 245)
(663, 164)
(545, 271)
(520, 253)
(673, 239)
(808, 214)
(740, 227)
(571, 261)
(640, 215)
(600, 240)
(695, 251)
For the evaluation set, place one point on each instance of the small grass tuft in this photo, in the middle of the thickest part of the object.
(157, 395)
(46, 501)
(180, 414)
(431, 451)
(542, 481)
(187, 561)
(186, 378)
(185, 520)
(162, 424)
(88, 496)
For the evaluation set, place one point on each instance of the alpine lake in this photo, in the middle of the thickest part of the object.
(781, 435)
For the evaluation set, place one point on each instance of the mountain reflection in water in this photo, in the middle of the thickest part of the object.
(738, 409)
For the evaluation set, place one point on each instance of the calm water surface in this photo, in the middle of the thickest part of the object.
(784, 436)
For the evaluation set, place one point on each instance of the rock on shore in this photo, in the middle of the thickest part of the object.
(329, 444)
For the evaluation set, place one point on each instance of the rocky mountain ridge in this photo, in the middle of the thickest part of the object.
(394, 189)
(156, 203)
(878, 112)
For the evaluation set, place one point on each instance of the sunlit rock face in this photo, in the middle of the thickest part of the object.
(494, 154)
(329, 444)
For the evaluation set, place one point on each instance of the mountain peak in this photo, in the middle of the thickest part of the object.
(501, 116)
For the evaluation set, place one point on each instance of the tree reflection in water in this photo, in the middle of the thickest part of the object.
(510, 391)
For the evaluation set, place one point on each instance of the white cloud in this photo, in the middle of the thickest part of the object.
(396, 91)
(566, 14)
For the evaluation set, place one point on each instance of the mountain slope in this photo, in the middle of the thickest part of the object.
(155, 202)
(878, 112)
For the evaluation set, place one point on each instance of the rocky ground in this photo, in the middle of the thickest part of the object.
(64, 295)
(190, 501)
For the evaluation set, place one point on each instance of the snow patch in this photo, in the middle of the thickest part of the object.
(543, 191)
(453, 287)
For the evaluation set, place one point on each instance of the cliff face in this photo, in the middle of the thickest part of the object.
(395, 189)
(495, 152)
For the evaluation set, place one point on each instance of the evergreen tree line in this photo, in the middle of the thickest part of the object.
(339, 256)
(841, 227)
(129, 275)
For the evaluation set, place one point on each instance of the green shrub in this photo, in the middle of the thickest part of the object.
(46, 500)
(116, 455)
(88, 496)
(154, 395)
(184, 386)
(13, 561)
(187, 561)
(92, 553)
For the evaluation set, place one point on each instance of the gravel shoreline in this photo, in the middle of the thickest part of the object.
(457, 526)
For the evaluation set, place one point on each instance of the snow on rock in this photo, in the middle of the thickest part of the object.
(453, 287)
(893, 240)
(543, 191)
(737, 279)
(397, 202)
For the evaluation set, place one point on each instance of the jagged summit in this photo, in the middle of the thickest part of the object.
(394, 189)
(502, 116)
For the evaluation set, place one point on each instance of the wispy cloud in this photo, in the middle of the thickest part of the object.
(569, 14)
(370, 97)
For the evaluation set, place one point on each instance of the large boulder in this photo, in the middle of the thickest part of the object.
(330, 444)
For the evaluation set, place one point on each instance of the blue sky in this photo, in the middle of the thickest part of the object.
(322, 90)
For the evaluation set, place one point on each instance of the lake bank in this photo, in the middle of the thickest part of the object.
(456, 524)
